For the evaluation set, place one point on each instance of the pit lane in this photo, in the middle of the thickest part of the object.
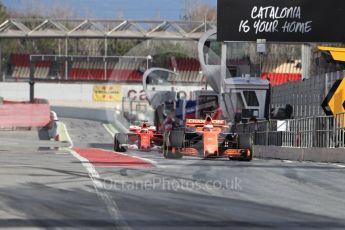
(43, 189)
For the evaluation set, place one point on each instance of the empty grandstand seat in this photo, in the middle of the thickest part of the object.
(188, 68)
(281, 78)
(21, 66)
(122, 71)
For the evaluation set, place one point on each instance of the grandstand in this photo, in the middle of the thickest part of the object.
(20, 66)
(64, 36)
(122, 71)
(279, 72)
(189, 69)
(119, 69)
(131, 69)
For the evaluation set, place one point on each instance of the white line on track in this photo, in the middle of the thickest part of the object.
(148, 160)
(340, 166)
(67, 135)
(108, 130)
(16, 166)
(96, 179)
(288, 161)
(329, 164)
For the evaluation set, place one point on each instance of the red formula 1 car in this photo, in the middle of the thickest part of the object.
(143, 136)
(207, 138)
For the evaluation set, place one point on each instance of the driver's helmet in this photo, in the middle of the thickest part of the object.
(144, 131)
(208, 127)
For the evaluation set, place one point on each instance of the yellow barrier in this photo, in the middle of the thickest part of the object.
(338, 54)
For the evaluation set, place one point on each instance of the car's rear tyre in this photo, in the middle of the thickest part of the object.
(116, 144)
(248, 156)
(168, 152)
(176, 138)
(120, 139)
(246, 143)
(139, 145)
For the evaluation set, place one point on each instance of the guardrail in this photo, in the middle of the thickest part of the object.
(320, 132)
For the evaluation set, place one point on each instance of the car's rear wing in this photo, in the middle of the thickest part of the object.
(202, 122)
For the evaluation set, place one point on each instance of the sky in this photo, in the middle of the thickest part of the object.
(114, 9)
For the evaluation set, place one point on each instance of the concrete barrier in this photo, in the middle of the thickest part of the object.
(77, 91)
(335, 155)
(327, 155)
(16, 115)
(102, 115)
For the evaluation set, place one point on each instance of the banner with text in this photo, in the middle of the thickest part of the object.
(107, 93)
(283, 20)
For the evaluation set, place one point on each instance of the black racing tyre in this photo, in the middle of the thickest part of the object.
(176, 139)
(177, 154)
(168, 153)
(116, 144)
(119, 139)
(246, 143)
(139, 144)
(233, 158)
(246, 157)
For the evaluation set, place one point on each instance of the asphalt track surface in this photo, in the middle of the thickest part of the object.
(45, 188)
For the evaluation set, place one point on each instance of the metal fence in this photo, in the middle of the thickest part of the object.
(306, 96)
(317, 131)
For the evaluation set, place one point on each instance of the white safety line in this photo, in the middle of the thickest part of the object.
(340, 166)
(140, 158)
(67, 134)
(96, 179)
(148, 160)
(108, 130)
(6, 166)
(288, 161)
(328, 164)
(112, 207)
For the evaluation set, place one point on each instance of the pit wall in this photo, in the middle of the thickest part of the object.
(327, 155)
(77, 92)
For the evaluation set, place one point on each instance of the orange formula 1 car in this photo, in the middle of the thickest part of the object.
(207, 138)
(142, 136)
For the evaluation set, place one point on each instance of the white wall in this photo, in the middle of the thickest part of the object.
(73, 92)
(20, 91)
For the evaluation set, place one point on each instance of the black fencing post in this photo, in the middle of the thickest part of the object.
(32, 81)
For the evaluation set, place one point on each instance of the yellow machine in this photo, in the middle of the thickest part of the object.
(334, 103)
(338, 54)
